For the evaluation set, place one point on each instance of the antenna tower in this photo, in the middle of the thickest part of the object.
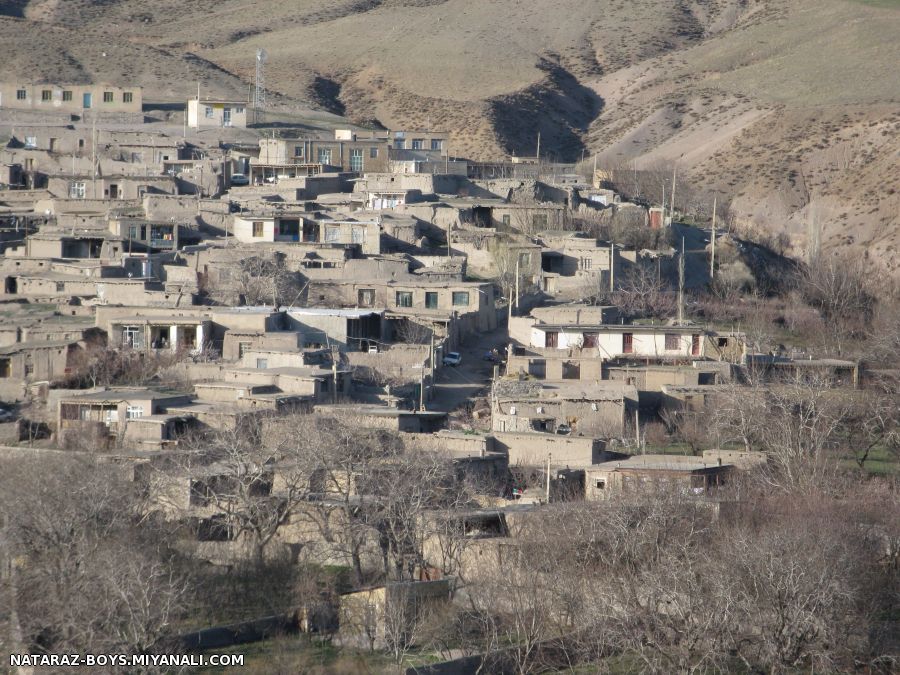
(259, 94)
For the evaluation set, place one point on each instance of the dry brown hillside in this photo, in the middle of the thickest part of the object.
(790, 106)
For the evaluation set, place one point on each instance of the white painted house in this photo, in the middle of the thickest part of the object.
(207, 113)
(612, 341)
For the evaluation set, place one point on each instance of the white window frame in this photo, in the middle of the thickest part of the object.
(133, 412)
(76, 190)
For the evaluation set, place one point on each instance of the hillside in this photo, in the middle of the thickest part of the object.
(789, 106)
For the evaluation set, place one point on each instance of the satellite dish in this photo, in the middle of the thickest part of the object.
(262, 55)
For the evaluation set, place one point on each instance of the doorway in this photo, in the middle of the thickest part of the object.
(86, 100)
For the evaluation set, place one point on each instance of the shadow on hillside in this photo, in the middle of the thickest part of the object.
(559, 107)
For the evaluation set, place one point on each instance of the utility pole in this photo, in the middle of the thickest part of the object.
(538, 155)
(94, 155)
(672, 208)
(712, 242)
(637, 428)
(612, 266)
(549, 457)
(334, 364)
(422, 388)
(518, 258)
(681, 285)
(664, 204)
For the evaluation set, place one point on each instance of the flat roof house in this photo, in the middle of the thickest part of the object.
(209, 113)
(101, 417)
(71, 98)
(655, 473)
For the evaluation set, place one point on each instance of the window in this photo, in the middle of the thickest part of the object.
(257, 228)
(29, 369)
(46, 95)
(298, 151)
(539, 220)
(673, 342)
(418, 144)
(132, 412)
(436, 143)
(373, 153)
(399, 143)
(239, 110)
(31, 141)
(552, 339)
(404, 299)
(571, 370)
(505, 219)
(262, 364)
(5, 368)
(356, 159)
(589, 340)
(585, 263)
(460, 298)
(332, 233)
(76, 190)
(431, 300)
(324, 155)
(132, 336)
(366, 297)
(67, 95)
(21, 95)
(722, 342)
(524, 259)
(127, 97)
(60, 286)
(601, 484)
(209, 112)
(358, 235)
(627, 343)
(695, 345)
(107, 97)
(242, 348)
(80, 143)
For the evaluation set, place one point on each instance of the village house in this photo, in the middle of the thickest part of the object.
(30, 361)
(655, 473)
(208, 113)
(112, 187)
(101, 417)
(599, 409)
(663, 343)
(302, 227)
(70, 98)
(466, 303)
(343, 329)
(574, 263)
(376, 616)
(346, 151)
(140, 235)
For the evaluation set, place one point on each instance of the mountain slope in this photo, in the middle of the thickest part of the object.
(788, 106)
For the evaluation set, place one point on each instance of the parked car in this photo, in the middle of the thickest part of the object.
(239, 179)
(452, 359)
(564, 430)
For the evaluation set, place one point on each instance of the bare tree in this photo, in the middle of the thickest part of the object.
(254, 479)
(99, 578)
(838, 287)
(267, 279)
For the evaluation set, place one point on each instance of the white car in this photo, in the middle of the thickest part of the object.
(239, 179)
(452, 359)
